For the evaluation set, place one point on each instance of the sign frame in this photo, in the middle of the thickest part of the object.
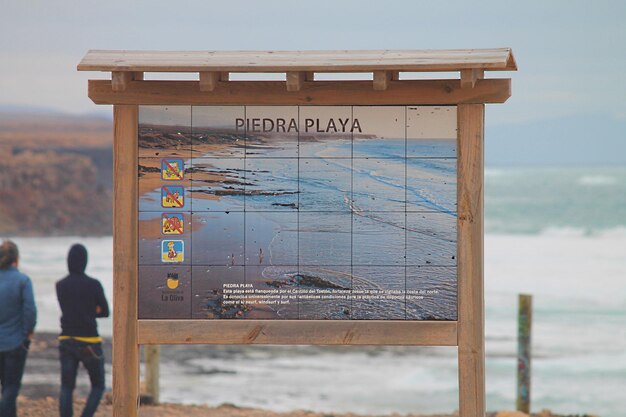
(127, 90)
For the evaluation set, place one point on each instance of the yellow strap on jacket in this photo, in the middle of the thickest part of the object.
(95, 339)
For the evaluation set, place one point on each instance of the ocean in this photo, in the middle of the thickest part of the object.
(556, 233)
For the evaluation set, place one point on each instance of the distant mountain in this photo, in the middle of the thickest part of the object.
(24, 110)
(582, 140)
(53, 130)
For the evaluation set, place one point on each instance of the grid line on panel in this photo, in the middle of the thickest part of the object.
(138, 240)
(430, 157)
(245, 171)
(351, 212)
(333, 211)
(298, 215)
(406, 202)
(456, 253)
(191, 217)
(324, 264)
(329, 157)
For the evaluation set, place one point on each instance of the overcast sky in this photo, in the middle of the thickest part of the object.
(571, 54)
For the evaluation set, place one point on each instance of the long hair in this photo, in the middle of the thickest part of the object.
(8, 254)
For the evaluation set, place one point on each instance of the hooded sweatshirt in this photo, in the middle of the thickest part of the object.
(80, 297)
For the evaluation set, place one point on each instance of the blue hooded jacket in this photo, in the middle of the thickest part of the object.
(18, 313)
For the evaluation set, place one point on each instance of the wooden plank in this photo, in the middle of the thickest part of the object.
(309, 76)
(470, 76)
(298, 332)
(120, 80)
(137, 76)
(224, 76)
(295, 80)
(208, 81)
(317, 93)
(152, 370)
(125, 346)
(381, 80)
(283, 61)
(511, 65)
(471, 334)
(524, 329)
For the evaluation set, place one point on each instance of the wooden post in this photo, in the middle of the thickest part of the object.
(471, 333)
(470, 76)
(120, 80)
(524, 327)
(125, 347)
(381, 80)
(152, 358)
(295, 80)
(208, 80)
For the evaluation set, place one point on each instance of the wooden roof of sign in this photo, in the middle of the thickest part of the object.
(499, 59)
(127, 85)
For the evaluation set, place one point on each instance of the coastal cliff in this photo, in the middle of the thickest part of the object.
(55, 175)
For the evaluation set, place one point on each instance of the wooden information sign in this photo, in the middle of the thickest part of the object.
(300, 211)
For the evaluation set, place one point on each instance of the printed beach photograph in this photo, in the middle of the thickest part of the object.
(313, 212)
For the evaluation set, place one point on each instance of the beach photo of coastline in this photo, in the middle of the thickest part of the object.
(316, 212)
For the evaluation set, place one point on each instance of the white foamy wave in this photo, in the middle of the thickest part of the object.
(568, 231)
(564, 232)
(596, 180)
(615, 232)
(494, 172)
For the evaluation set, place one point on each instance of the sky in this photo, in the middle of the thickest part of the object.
(571, 54)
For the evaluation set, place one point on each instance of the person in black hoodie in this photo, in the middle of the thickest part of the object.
(82, 300)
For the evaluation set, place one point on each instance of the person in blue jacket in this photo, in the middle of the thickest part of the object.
(82, 300)
(18, 316)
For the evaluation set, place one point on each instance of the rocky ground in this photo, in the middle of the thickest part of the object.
(48, 407)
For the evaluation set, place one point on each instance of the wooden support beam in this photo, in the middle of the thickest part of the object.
(152, 371)
(524, 356)
(224, 76)
(125, 346)
(309, 76)
(298, 332)
(295, 80)
(405, 92)
(381, 80)
(470, 76)
(208, 81)
(120, 80)
(471, 309)
(395, 75)
(137, 76)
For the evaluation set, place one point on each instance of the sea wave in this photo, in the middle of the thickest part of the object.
(495, 172)
(499, 228)
(614, 232)
(597, 180)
